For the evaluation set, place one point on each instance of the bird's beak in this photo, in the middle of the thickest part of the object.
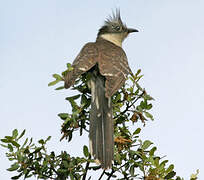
(131, 30)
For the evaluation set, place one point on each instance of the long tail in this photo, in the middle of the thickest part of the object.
(101, 123)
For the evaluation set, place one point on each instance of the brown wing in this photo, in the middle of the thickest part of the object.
(114, 66)
(84, 61)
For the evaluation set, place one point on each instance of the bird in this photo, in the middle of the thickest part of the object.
(107, 62)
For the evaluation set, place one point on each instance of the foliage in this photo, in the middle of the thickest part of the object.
(133, 158)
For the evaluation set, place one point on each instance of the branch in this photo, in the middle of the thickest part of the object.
(102, 175)
(128, 105)
(86, 169)
(110, 175)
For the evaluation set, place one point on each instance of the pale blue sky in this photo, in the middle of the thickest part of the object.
(38, 38)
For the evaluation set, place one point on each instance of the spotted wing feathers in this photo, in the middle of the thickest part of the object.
(85, 60)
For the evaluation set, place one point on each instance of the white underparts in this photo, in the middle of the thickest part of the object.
(116, 38)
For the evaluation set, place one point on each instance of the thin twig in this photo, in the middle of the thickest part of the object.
(86, 169)
(128, 105)
(102, 174)
(110, 175)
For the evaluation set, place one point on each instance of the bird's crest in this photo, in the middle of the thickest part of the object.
(114, 19)
(113, 24)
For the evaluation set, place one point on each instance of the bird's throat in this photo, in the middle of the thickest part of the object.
(116, 39)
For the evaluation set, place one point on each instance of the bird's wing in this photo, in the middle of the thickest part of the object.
(115, 68)
(85, 60)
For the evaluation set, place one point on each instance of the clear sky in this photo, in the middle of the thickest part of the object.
(38, 38)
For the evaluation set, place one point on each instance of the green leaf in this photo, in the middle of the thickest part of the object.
(31, 140)
(139, 87)
(15, 144)
(15, 133)
(25, 142)
(10, 148)
(118, 158)
(65, 163)
(86, 151)
(138, 72)
(178, 178)
(148, 115)
(5, 140)
(59, 88)
(17, 177)
(63, 115)
(41, 141)
(48, 138)
(96, 168)
(69, 67)
(139, 109)
(22, 134)
(13, 167)
(148, 97)
(170, 175)
(146, 144)
(195, 176)
(71, 176)
(143, 104)
(10, 138)
(73, 103)
(53, 83)
(5, 146)
(132, 78)
(83, 99)
(73, 97)
(164, 163)
(170, 168)
(152, 151)
(57, 77)
(156, 161)
(132, 170)
(149, 106)
(64, 73)
(137, 131)
(118, 97)
(37, 149)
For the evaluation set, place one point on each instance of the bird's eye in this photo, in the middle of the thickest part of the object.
(117, 28)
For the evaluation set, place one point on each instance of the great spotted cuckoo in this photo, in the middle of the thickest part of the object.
(107, 62)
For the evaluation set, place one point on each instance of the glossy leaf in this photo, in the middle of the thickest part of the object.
(148, 115)
(170, 168)
(15, 144)
(22, 134)
(152, 151)
(86, 151)
(57, 77)
(137, 131)
(59, 88)
(170, 175)
(146, 144)
(15, 133)
(13, 167)
(53, 83)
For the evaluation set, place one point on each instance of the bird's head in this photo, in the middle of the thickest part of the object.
(114, 29)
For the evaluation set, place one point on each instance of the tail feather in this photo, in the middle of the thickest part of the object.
(101, 123)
